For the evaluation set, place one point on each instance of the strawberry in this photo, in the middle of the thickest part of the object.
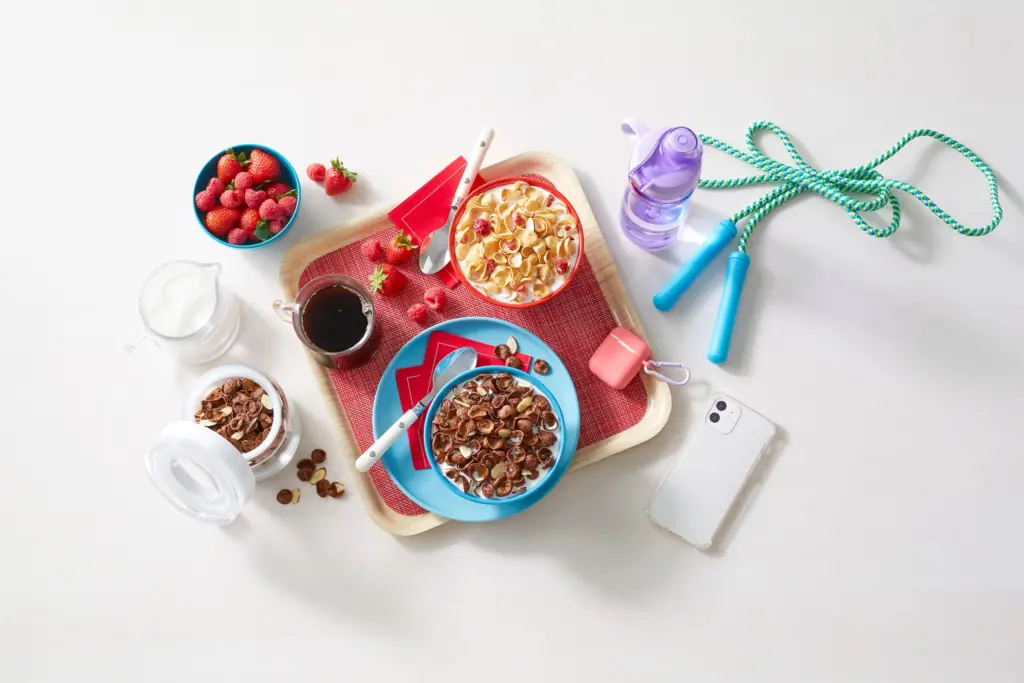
(278, 188)
(316, 172)
(400, 249)
(206, 200)
(237, 236)
(276, 227)
(561, 266)
(232, 199)
(435, 298)
(270, 210)
(243, 181)
(216, 186)
(220, 220)
(387, 280)
(372, 250)
(288, 204)
(338, 178)
(418, 313)
(263, 166)
(253, 198)
(230, 165)
(249, 221)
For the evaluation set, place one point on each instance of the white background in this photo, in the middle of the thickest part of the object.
(884, 543)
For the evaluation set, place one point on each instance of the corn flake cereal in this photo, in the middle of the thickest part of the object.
(516, 243)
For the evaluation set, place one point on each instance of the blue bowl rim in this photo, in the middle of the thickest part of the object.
(493, 370)
(199, 186)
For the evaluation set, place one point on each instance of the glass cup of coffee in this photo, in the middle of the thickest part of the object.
(333, 316)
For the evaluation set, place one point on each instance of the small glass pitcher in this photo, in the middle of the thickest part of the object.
(297, 313)
(187, 313)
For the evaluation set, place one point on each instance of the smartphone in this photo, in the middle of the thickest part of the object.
(704, 482)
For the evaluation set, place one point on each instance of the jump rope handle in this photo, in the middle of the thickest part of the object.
(720, 237)
(735, 275)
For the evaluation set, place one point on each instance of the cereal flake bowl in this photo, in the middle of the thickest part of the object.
(516, 242)
(478, 439)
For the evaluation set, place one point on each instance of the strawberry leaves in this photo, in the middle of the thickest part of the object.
(262, 231)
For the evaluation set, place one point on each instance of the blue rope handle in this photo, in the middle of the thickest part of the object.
(834, 185)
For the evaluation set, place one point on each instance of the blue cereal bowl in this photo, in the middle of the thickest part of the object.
(288, 176)
(535, 487)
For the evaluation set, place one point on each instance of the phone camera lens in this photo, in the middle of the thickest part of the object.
(720, 405)
(714, 417)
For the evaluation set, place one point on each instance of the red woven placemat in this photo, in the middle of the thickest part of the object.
(574, 324)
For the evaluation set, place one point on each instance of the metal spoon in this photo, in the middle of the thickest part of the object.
(434, 250)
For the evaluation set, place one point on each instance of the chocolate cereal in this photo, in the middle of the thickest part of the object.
(494, 436)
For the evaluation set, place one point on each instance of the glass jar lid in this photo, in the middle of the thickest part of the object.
(200, 473)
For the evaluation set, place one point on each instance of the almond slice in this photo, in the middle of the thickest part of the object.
(512, 345)
(267, 402)
(319, 474)
(208, 423)
(237, 435)
(296, 494)
(226, 410)
(466, 451)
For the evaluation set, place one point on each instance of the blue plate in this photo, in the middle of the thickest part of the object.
(425, 487)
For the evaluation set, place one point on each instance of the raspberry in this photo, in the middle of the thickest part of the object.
(491, 265)
(288, 204)
(270, 210)
(518, 219)
(231, 199)
(435, 298)
(237, 236)
(243, 181)
(561, 266)
(275, 227)
(206, 200)
(216, 186)
(253, 198)
(418, 313)
(316, 172)
(482, 227)
(372, 249)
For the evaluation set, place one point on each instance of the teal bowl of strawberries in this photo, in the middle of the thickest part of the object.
(247, 196)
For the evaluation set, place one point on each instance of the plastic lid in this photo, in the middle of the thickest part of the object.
(200, 473)
(666, 163)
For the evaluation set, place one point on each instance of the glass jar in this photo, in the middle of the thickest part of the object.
(200, 472)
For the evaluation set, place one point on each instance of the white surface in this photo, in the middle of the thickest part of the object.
(707, 477)
(885, 543)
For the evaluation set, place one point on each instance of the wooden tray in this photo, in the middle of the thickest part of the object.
(659, 399)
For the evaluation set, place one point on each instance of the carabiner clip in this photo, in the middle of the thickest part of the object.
(649, 366)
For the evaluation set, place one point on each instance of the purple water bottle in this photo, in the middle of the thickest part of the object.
(663, 173)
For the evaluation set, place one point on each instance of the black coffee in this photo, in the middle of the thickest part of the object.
(333, 319)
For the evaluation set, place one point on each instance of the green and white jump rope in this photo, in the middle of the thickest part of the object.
(793, 180)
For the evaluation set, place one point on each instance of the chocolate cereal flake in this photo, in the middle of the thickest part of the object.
(540, 366)
(284, 496)
(514, 362)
